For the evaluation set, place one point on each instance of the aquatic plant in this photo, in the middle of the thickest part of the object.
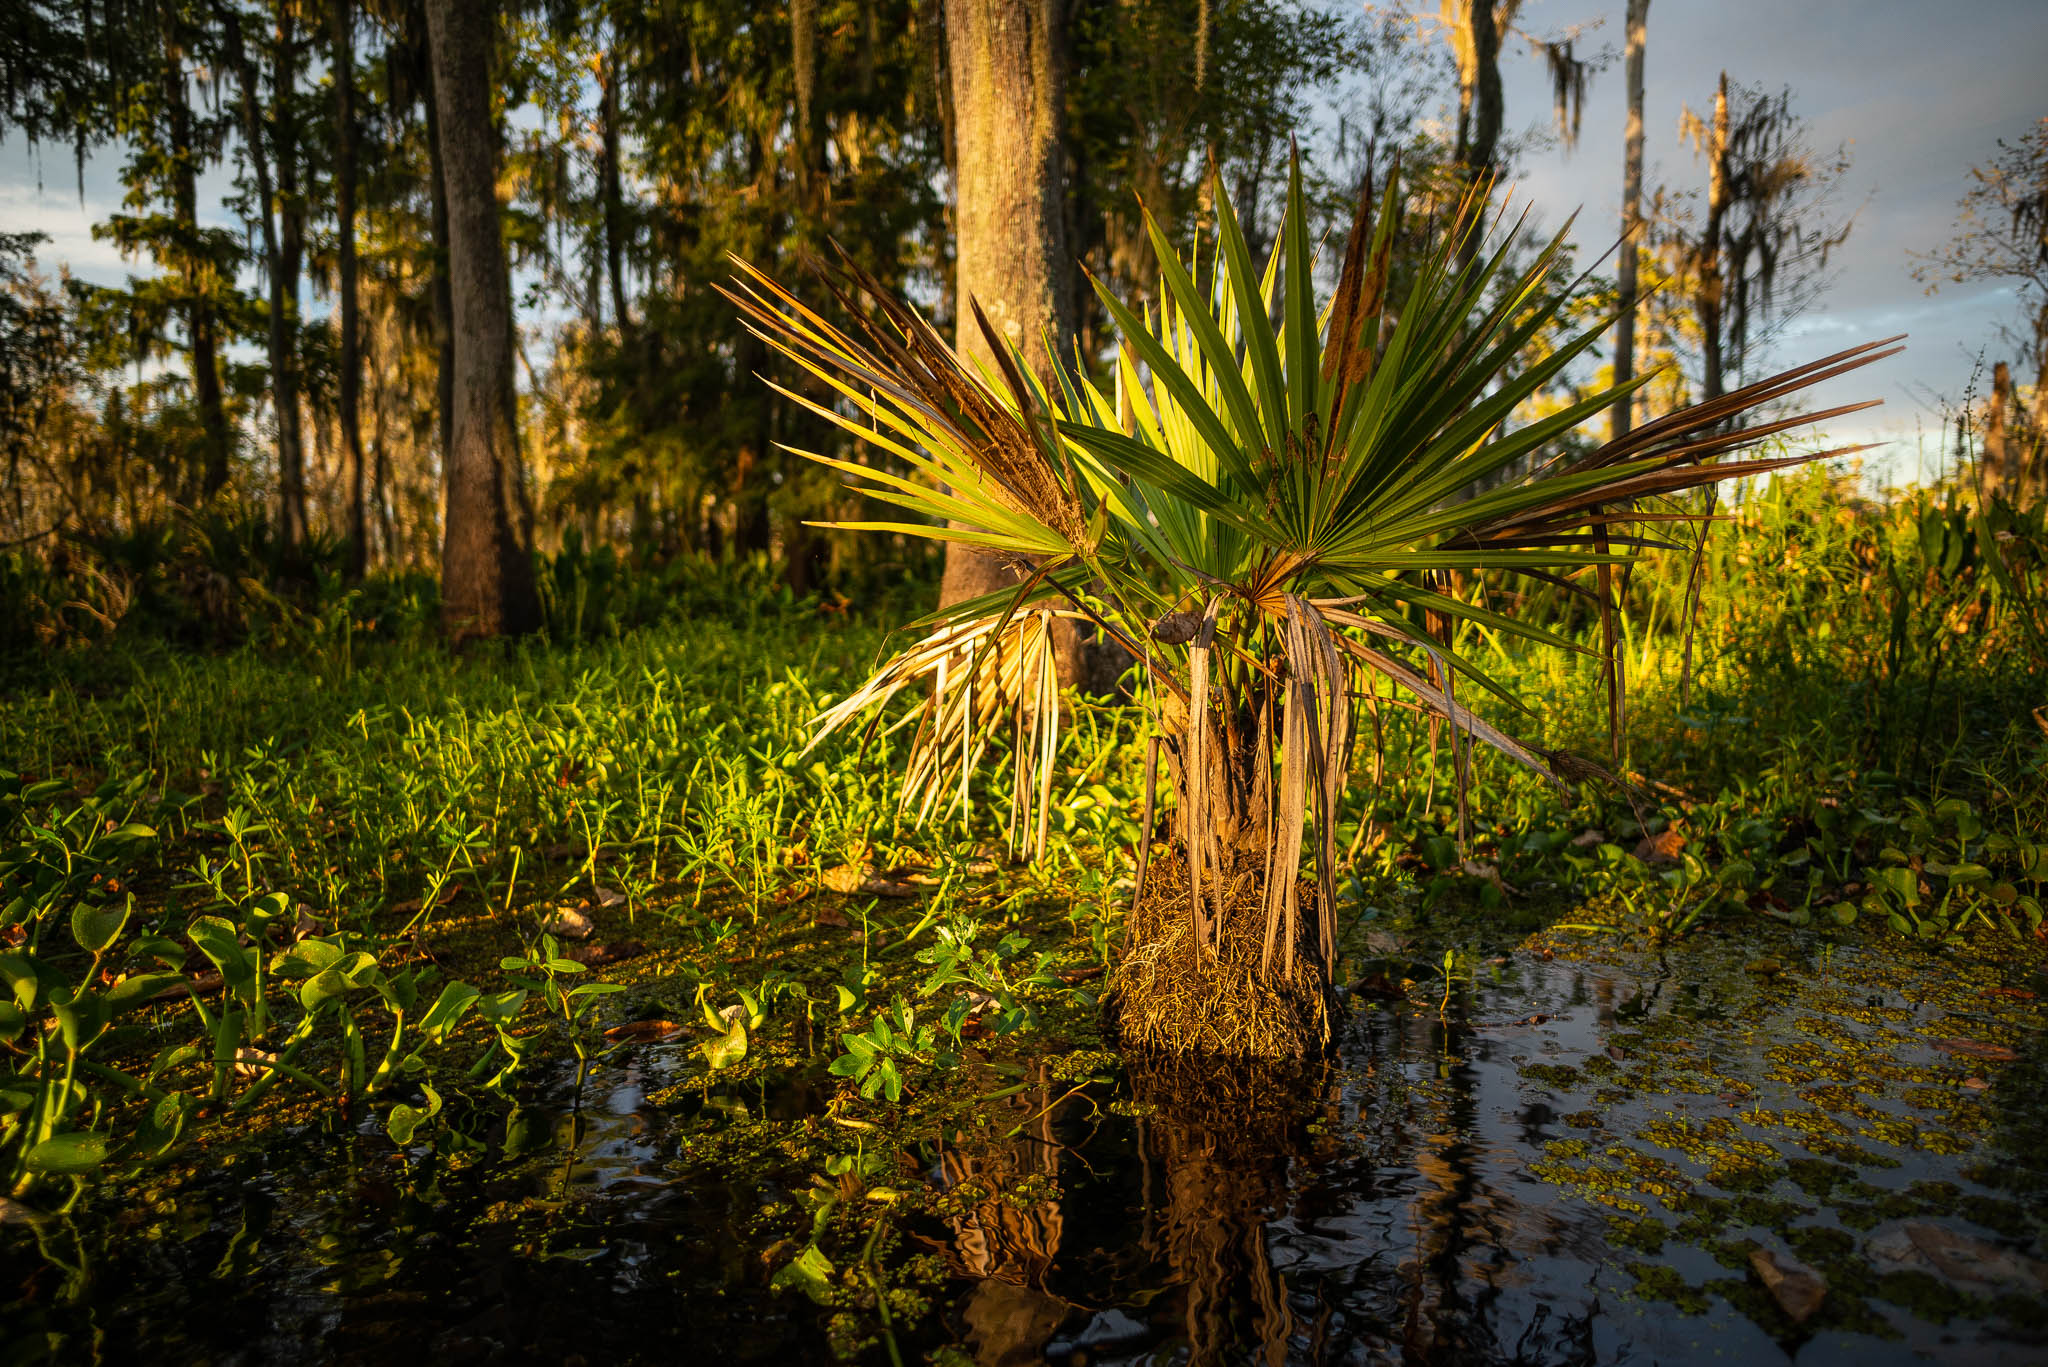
(1263, 511)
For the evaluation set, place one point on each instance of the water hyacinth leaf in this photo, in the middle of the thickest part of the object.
(329, 984)
(68, 1155)
(26, 978)
(405, 1120)
(728, 1049)
(447, 1011)
(307, 957)
(220, 942)
(96, 928)
(499, 1008)
(1903, 884)
(81, 1020)
(809, 1272)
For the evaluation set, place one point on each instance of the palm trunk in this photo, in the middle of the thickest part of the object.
(487, 586)
(1631, 221)
(350, 382)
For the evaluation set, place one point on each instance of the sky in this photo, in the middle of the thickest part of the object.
(1920, 90)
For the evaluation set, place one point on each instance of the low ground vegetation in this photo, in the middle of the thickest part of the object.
(250, 886)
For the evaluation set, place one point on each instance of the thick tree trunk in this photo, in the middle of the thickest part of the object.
(1007, 65)
(350, 382)
(1623, 416)
(487, 586)
(1710, 290)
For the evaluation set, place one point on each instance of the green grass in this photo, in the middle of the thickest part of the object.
(321, 864)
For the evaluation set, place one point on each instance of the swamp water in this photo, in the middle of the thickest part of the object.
(1599, 1155)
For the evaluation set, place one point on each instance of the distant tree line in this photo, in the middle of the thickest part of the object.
(430, 283)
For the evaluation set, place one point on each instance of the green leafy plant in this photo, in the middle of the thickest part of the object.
(875, 1058)
(542, 970)
(1263, 506)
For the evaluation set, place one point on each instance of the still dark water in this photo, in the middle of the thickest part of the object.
(1584, 1162)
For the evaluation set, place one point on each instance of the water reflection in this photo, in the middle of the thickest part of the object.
(1007, 1240)
(1572, 1170)
(1574, 1166)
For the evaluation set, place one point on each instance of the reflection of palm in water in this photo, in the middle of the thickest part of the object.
(1218, 1151)
(1224, 1139)
(1220, 1143)
(1006, 1244)
(1215, 1236)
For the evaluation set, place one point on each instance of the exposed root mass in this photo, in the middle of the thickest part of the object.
(1170, 997)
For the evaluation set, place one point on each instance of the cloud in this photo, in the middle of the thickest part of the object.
(1920, 93)
(59, 217)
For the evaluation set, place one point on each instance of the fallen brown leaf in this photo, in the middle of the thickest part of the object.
(1797, 1288)
(646, 1032)
(1662, 848)
(1971, 1048)
(567, 924)
(597, 956)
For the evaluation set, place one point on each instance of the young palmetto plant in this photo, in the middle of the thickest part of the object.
(1260, 510)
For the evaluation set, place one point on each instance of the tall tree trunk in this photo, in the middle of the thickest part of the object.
(1994, 468)
(202, 329)
(283, 375)
(1623, 416)
(487, 586)
(614, 196)
(810, 145)
(1710, 290)
(380, 444)
(444, 305)
(1480, 108)
(350, 382)
(1007, 66)
(291, 213)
